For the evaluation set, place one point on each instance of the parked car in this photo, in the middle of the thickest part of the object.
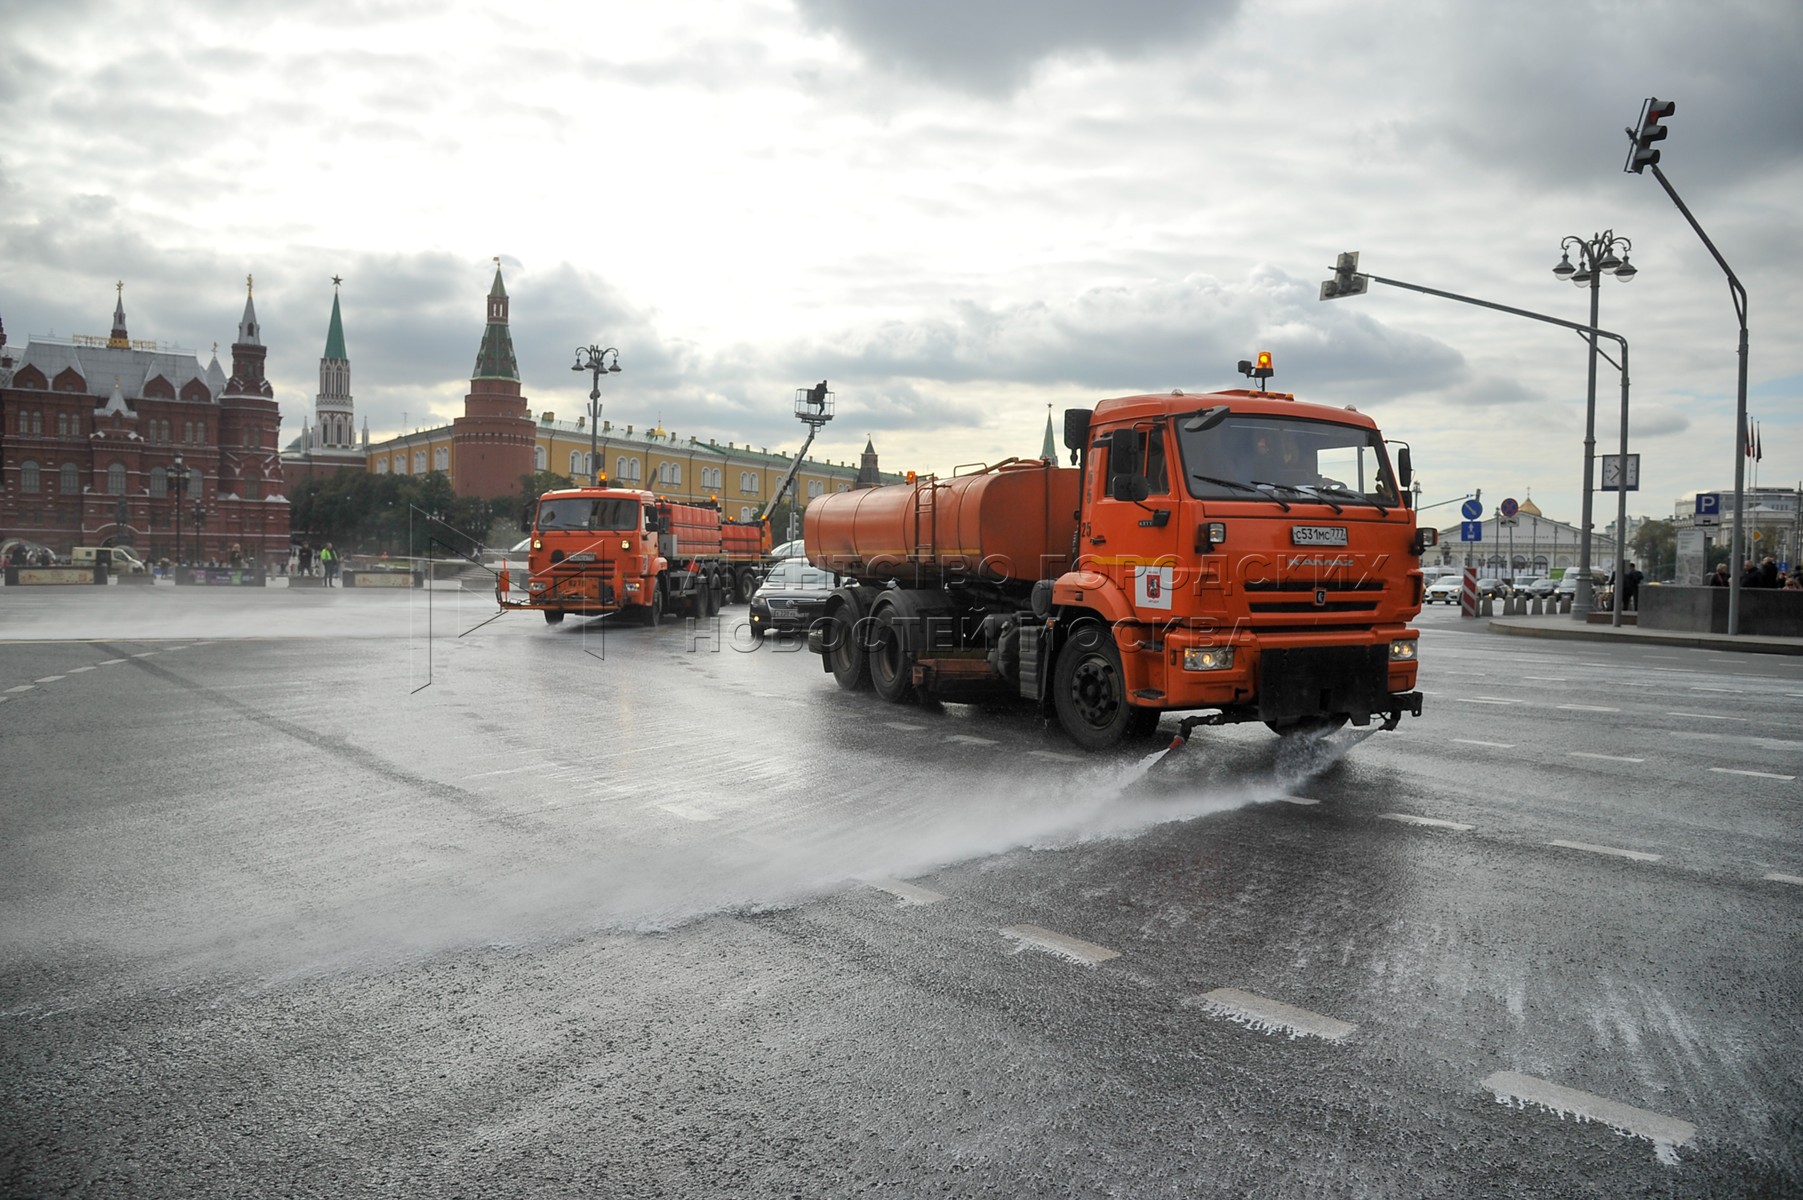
(791, 596)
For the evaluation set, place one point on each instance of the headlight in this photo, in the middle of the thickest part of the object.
(1207, 658)
(1402, 650)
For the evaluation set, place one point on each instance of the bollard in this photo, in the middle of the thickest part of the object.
(1535, 608)
(1484, 606)
(1565, 605)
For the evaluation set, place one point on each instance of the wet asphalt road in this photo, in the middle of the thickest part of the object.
(296, 899)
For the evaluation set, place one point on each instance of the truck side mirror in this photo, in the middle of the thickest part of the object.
(1404, 471)
(1076, 427)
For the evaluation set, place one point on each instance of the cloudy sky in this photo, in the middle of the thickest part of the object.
(956, 211)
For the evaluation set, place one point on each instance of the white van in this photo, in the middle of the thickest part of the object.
(124, 559)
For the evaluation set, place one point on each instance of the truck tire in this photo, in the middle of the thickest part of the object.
(1089, 690)
(553, 616)
(747, 583)
(654, 611)
(890, 660)
(848, 661)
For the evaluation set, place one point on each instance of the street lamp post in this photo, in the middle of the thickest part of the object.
(1596, 257)
(179, 488)
(200, 520)
(593, 359)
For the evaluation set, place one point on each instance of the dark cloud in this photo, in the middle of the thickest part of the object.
(992, 48)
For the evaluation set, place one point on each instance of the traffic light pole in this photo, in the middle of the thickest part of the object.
(1739, 295)
(1345, 273)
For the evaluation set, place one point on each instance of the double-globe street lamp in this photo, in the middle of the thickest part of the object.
(178, 487)
(1596, 258)
(594, 359)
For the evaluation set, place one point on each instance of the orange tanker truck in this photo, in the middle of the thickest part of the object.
(1241, 553)
(599, 550)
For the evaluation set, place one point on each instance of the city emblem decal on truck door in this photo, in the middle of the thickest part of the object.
(1152, 587)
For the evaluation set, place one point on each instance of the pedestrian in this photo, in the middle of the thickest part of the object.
(328, 561)
(1749, 575)
(1768, 572)
(1630, 588)
(1720, 578)
(306, 558)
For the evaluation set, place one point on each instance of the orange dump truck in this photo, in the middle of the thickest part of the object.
(599, 550)
(1239, 553)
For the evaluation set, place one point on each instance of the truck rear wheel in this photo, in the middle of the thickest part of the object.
(890, 662)
(848, 661)
(745, 583)
(1089, 690)
(553, 616)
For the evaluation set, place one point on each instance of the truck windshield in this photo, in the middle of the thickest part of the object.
(1287, 459)
(583, 512)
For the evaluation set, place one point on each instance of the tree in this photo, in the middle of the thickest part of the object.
(1655, 546)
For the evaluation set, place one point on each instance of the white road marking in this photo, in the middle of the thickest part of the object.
(1486, 700)
(1492, 745)
(506, 771)
(1588, 708)
(1297, 800)
(144, 654)
(1266, 1015)
(1636, 855)
(1700, 688)
(1666, 1133)
(1604, 757)
(970, 740)
(1546, 678)
(49, 679)
(1751, 774)
(1704, 716)
(111, 662)
(79, 670)
(1779, 877)
(1412, 819)
(23, 687)
(903, 725)
(688, 812)
(906, 891)
(1072, 948)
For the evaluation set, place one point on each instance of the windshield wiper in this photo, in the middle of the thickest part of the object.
(1232, 483)
(1271, 489)
(1342, 490)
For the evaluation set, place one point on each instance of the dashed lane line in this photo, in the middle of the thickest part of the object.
(1298, 800)
(1636, 855)
(970, 739)
(1666, 1133)
(79, 670)
(23, 687)
(1547, 678)
(1780, 877)
(1752, 774)
(1075, 949)
(1412, 819)
(1588, 708)
(50, 679)
(1267, 1015)
(1492, 745)
(1696, 716)
(1486, 700)
(1604, 757)
(907, 892)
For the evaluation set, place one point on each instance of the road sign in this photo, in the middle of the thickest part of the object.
(1508, 507)
(1471, 510)
(1471, 531)
(1619, 477)
(1709, 510)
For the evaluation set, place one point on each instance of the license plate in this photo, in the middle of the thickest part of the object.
(1318, 535)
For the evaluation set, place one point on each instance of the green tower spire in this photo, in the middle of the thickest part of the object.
(335, 331)
(494, 359)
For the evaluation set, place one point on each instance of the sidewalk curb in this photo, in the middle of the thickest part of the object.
(1572, 631)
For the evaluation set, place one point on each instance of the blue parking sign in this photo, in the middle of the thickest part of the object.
(1471, 531)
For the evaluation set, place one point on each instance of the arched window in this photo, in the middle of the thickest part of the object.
(28, 476)
(441, 458)
(538, 458)
(115, 480)
(71, 481)
(815, 488)
(253, 486)
(159, 483)
(62, 424)
(419, 462)
(194, 483)
(576, 467)
(744, 512)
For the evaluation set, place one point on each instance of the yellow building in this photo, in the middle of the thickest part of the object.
(743, 478)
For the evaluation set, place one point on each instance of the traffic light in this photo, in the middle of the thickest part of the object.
(1642, 155)
(1346, 280)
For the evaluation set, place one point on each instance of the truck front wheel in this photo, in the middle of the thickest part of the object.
(654, 611)
(1089, 690)
(553, 616)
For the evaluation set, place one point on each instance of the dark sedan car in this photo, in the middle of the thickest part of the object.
(789, 599)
